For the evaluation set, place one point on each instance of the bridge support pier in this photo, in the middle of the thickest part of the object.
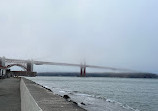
(30, 66)
(2, 64)
(83, 72)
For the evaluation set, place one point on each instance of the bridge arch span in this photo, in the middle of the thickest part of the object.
(19, 65)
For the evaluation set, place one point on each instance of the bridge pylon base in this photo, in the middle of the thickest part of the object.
(83, 72)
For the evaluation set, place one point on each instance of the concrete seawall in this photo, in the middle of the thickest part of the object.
(36, 98)
(27, 101)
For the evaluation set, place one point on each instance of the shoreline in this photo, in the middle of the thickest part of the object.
(21, 94)
(37, 97)
(66, 97)
(48, 101)
(87, 101)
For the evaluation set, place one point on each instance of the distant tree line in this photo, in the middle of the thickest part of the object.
(121, 75)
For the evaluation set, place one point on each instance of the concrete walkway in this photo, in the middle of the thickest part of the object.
(10, 99)
(48, 101)
(10, 94)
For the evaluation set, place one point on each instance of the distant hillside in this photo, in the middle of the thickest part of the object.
(121, 75)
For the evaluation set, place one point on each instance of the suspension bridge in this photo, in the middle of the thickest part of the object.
(27, 65)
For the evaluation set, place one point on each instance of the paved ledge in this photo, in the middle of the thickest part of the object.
(48, 101)
(10, 94)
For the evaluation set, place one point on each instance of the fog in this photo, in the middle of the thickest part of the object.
(121, 34)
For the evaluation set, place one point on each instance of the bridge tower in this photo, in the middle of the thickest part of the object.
(83, 70)
(30, 66)
(2, 63)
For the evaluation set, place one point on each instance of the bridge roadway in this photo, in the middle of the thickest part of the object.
(67, 64)
(27, 65)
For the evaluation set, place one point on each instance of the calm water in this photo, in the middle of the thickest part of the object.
(99, 93)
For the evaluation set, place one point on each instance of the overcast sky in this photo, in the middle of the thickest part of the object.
(116, 33)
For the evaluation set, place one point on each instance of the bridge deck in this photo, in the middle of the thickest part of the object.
(10, 95)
